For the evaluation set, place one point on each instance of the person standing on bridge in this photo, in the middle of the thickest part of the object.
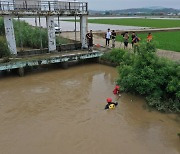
(108, 37)
(89, 37)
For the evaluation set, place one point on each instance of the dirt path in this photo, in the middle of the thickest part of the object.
(99, 40)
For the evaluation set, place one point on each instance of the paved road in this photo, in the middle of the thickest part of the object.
(70, 26)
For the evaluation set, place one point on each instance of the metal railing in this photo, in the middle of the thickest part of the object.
(24, 5)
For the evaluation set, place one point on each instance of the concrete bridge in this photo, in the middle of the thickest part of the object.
(10, 9)
(19, 64)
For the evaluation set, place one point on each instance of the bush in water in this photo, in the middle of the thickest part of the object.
(146, 74)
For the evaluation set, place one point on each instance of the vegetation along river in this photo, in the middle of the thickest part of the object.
(62, 112)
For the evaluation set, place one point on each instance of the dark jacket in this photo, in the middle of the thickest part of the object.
(107, 105)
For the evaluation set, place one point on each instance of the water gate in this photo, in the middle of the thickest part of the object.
(49, 9)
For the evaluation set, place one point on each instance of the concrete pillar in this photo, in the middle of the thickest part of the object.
(36, 21)
(83, 30)
(20, 72)
(10, 37)
(51, 33)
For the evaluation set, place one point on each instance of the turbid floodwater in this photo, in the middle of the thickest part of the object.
(60, 111)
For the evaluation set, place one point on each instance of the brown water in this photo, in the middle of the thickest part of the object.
(61, 112)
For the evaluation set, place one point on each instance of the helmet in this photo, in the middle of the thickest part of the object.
(109, 100)
(117, 87)
(112, 106)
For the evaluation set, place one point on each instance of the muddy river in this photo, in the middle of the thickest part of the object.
(60, 111)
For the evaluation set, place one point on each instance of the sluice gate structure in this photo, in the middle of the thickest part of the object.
(50, 10)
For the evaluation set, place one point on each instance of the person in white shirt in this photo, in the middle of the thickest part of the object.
(108, 37)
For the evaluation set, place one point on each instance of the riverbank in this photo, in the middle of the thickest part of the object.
(165, 40)
(101, 41)
(146, 74)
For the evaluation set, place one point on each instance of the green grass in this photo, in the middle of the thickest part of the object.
(164, 40)
(61, 40)
(155, 23)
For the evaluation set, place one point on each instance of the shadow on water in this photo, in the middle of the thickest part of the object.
(45, 68)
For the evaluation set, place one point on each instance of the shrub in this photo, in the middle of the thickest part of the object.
(26, 34)
(2, 30)
(146, 74)
(30, 36)
(61, 40)
(4, 51)
(116, 56)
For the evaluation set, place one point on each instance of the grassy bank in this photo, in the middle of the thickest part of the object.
(4, 51)
(164, 40)
(154, 23)
(27, 36)
(144, 73)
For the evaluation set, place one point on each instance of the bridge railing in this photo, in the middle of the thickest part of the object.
(22, 5)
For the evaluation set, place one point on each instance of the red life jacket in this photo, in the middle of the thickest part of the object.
(116, 90)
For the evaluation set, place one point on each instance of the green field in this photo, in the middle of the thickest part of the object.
(155, 23)
(164, 40)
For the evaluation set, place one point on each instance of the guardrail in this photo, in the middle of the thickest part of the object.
(50, 6)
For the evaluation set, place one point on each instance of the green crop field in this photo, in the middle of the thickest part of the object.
(164, 40)
(155, 23)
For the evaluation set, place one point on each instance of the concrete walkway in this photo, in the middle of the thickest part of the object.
(99, 40)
